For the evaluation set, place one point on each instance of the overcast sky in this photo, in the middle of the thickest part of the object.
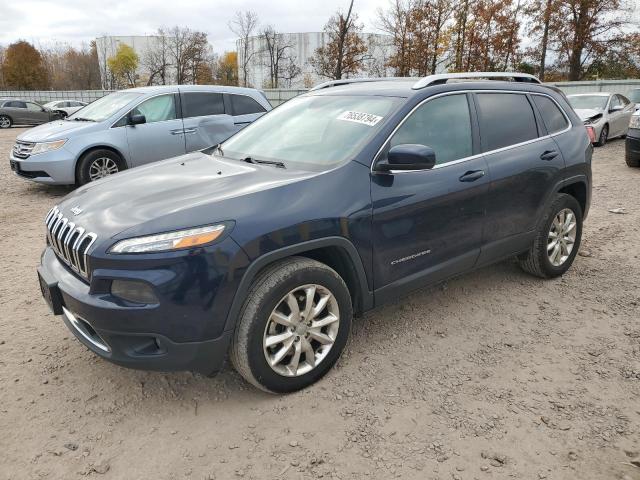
(77, 21)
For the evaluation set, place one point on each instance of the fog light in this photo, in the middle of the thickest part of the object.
(133, 291)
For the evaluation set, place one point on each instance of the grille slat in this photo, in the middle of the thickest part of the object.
(23, 149)
(70, 242)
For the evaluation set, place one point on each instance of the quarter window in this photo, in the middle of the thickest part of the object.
(552, 116)
(244, 105)
(505, 119)
(198, 104)
(157, 109)
(443, 124)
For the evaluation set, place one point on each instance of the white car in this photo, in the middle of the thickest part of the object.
(65, 107)
(606, 114)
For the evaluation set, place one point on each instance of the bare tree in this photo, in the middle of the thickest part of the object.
(188, 52)
(345, 52)
(396, 21)
(244, 25)
(276, 57)
(2, 56)
(157, 60)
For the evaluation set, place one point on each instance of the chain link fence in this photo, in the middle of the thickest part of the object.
(281, 95)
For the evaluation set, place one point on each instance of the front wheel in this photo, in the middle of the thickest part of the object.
(604, 135)
(98, 164)
(5, 121)
(293, 326)
(557, 239)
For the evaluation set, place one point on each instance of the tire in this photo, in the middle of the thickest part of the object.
(537, 260)
(269, 293)
(5, 121)
(604, 135)
(92, 161)
(632, 162)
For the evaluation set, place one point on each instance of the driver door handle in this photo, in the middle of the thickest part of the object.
(548, 155)
(472, 176)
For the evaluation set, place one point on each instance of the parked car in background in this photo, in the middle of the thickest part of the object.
(134, 127)
(338, 201)
(607, 114)
(634, 97)
(15, 111)
(632, 145)
(65, 107)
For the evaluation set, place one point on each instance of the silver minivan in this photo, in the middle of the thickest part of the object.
(132, 127)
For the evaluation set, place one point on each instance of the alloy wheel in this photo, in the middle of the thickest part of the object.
(562, 237)
(301, 330)
(102, 167)
(4, 122)
(604, 134)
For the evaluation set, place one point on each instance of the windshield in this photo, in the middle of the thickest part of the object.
(593, 102)
(314, 132)
(635, 96)
(104, 107)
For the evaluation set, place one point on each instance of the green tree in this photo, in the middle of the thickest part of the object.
(23, 67)
(123, 65)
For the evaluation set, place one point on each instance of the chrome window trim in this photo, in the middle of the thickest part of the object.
(472, 157)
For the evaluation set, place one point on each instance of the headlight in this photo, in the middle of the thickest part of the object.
(47, 146)
(634, 122)
(164, 242)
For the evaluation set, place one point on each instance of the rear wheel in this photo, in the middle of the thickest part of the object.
(98, 164)
(557, 239)
(5, 121)
(604, 135)
(293, 326)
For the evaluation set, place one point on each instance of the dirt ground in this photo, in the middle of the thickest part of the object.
(492, 375)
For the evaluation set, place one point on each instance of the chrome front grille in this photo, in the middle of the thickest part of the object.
(70, 241)
(23, 149)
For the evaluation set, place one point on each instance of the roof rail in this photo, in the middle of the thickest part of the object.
(443, 77)
(347, 81)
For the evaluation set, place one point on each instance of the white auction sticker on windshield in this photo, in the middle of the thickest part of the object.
(359, 117)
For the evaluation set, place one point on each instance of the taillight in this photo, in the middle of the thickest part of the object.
(591, 132)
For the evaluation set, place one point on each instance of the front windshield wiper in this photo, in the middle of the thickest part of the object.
(82, 119)
(264, 162)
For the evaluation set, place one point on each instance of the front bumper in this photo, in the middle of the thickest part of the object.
(632, 146)
(53, 168)
(148, 337)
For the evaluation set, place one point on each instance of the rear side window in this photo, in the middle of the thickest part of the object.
(198, 104)
(244, 105)
(443, 124)
(505, 119)
(552, 116)
(15, 104)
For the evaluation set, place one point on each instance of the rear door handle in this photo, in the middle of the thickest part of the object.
(548, 155)
(176, 132)
(190, 130)
(472, 176)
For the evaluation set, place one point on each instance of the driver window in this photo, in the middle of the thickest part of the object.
(615, 102)
(443, 124)
(157, 109)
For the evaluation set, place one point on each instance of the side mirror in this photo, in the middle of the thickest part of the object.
(408, 156)
(137, 119)
(617, 108)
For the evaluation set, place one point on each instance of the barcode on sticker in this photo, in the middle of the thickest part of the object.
(359, 117)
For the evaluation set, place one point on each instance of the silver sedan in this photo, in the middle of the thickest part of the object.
(607, 113)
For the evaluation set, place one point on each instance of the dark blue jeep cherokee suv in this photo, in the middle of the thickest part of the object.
(342, 199)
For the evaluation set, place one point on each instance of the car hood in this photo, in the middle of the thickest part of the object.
(181, 192)
(55, 130)
(586, 113)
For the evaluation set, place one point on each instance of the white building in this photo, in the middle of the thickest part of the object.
(108, 46)
(302, 48)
